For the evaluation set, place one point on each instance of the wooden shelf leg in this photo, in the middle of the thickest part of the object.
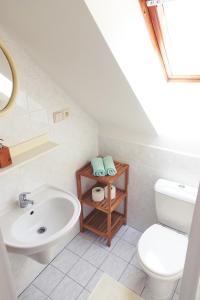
(79, 193)
(125, 211)
(126, 199)
(109, 229)
(109, 220)
(81, 219)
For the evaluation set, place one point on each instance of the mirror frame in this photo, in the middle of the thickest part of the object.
(11, 63)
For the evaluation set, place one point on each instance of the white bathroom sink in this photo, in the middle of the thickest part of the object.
(33, 230)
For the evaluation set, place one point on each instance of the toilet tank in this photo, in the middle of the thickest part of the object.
(175, 204)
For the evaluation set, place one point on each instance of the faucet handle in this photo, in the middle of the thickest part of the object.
(23, 201)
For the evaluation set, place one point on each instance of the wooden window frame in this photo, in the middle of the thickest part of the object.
(153, 16)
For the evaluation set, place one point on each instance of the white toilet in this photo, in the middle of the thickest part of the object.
(162, 247)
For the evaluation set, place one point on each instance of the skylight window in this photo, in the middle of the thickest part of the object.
(175, 30)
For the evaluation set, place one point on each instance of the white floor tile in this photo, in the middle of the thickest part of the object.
(95, 255)
(79, 245)
(113, 266)
(84, 295)
(82, 272)
(122, 230)
(102, 242)
(132, 236)
(67, 289)
(124, 250)
(93, 282)
(134, 261)
(146, 295)
(175, 297)
(178, 287)
(65, 260)
(83, 275)
(32, 293)
(88, 235)
(48, 279)
(133, 279)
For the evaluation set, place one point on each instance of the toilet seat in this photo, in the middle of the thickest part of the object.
(162, 252)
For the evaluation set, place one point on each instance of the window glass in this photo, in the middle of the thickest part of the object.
(182, 19)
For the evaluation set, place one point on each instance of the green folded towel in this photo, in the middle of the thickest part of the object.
(98, 166)
(109, 166)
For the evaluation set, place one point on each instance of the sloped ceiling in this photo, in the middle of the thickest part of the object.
(62, 37)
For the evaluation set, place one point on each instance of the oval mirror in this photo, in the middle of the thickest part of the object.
(8, 80)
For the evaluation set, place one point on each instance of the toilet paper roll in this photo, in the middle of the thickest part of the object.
(98, 194)
(113, 192)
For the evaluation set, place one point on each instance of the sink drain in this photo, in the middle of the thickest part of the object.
(42, 229)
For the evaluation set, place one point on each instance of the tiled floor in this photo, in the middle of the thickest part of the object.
(76, 270)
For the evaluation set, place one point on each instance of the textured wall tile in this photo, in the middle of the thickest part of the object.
(147, 164)
(37, 98)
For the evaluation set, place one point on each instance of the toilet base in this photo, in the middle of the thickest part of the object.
(161, 289)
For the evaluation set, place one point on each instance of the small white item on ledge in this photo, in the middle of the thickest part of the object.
(113, 192)
(98, 194)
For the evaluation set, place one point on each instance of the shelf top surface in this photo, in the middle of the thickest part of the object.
(30, 155)
(87, 171)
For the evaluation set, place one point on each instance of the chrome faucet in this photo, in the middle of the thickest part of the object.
(23, 201)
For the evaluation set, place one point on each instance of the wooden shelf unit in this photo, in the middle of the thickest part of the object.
(103, 220)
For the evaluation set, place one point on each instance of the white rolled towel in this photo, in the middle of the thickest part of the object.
(113, 192)
(98, 194)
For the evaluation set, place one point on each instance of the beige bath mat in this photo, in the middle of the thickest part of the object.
(108, 289)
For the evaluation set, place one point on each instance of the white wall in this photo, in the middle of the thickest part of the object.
(172, 108)
(7, 288)
(190, 288)
(37, 98)
(73, 51)
(147, 164)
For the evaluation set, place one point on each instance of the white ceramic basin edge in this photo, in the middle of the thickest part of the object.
(40, 226)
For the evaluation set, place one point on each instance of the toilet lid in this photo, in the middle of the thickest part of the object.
(162, 250)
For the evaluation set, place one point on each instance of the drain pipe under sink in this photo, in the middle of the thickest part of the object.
(7, 290)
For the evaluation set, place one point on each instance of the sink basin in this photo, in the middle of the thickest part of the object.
(34, 230)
